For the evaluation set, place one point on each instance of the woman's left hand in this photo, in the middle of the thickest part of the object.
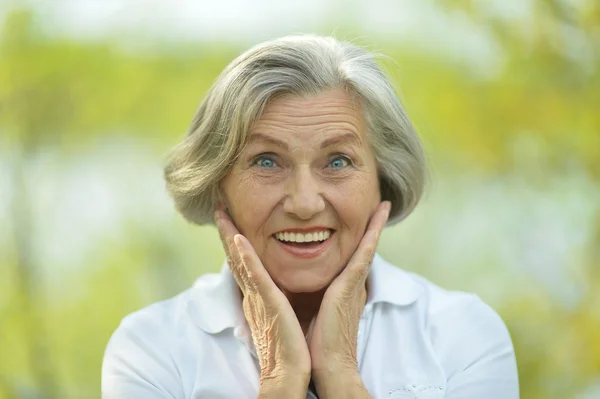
(333, 341)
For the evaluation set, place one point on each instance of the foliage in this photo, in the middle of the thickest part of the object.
(535, 116)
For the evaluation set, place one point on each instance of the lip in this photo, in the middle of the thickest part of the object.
(308, 252)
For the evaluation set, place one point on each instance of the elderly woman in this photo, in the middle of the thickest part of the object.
(301, 153)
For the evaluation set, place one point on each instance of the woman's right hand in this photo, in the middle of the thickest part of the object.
(280, 343)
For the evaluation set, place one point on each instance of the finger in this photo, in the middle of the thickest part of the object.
(380, 218)
(256, 272)
(237, 265)
(227, 231)
(359, 265)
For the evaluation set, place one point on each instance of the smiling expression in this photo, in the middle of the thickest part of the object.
(308, 173)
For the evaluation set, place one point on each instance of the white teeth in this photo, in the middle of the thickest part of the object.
(299, 237)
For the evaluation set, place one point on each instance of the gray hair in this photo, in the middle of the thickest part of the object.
(304, 65)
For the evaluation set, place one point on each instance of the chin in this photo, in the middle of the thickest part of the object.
(298, 283)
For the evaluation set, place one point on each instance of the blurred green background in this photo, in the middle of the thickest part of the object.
(505, 94)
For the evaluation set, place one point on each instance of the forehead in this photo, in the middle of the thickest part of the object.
(332, 112)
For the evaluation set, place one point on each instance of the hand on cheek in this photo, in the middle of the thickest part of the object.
(334, 335)
(280, 344)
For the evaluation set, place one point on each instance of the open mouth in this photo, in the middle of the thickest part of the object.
(305, 245)
(304, 240)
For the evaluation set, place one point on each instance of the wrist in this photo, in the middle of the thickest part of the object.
(288, 386)
(335, 371)
(347, 384)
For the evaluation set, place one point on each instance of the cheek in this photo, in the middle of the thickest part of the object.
(355, 200)
(249, 203)
(354, 203)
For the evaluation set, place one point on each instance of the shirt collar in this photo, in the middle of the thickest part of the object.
(215, 302)
(390, 284)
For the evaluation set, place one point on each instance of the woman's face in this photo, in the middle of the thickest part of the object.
(308, 174)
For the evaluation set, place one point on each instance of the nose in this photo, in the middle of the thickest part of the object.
(304, 198)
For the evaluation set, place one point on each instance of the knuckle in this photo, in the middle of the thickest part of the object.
(363, 271)
(244, 257)
(229, 242)
(370, 251)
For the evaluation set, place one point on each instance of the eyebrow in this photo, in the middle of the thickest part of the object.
(268, 139)
(351, 138)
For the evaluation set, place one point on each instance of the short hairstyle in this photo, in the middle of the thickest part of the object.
(304, 65)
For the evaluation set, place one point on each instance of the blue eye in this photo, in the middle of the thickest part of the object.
(264, 162)
(339, 162)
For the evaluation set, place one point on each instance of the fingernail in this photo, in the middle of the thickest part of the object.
(237, 240)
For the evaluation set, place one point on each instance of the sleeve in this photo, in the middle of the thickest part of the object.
(137, 364)
(478, 354)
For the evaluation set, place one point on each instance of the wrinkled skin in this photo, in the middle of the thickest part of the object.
(276, 332)
(308, 164)
(280, 343)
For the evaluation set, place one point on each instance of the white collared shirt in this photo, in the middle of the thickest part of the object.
(415, 340)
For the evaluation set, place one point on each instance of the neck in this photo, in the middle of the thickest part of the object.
(306, 306)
